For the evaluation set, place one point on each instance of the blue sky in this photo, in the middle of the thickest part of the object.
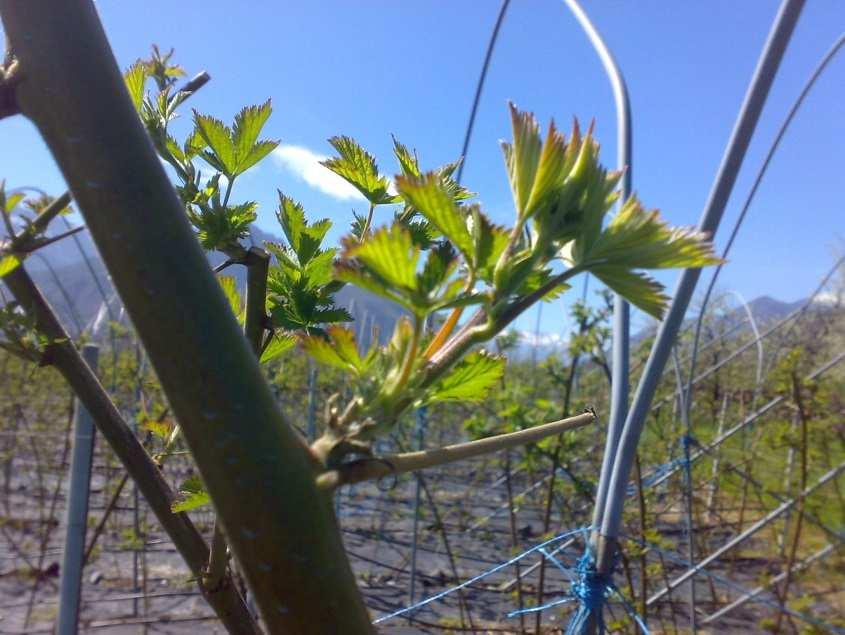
(369, 69)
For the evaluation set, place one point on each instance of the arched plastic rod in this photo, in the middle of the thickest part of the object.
(621, 312)
(796, 106)
(747, 119)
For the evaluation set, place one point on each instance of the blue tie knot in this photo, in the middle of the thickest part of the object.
(590, 587)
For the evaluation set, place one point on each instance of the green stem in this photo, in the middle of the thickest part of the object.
(257, 268)
(245, 450)
(367, 469)
(410, 357)
(49, 213)
(230, 181)
(368, 222)
(255, 321)
(505, 256)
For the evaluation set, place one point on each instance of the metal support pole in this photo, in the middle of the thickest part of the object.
(420, 432)
(621, 327)
(753, 529)
(749, 114)
(685, 403)
(77, 511)
(753, 593)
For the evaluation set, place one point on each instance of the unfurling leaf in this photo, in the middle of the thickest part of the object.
(218, 226)
(522, 157)
(304, 239)
(10, 202)
(302, 283)
(390, 256)
(408, 162)
(489, 242)
(470, 380)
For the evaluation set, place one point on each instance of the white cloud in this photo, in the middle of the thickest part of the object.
(830, 297)
(532, 338)
(305, 164)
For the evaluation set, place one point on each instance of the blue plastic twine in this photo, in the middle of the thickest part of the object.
(591, 590)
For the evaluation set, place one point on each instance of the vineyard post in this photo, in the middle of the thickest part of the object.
(752, 106)
(419, 431)
(246, 452)
(77, 511)
(621, 310)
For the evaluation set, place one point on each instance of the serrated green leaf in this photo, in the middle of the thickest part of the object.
(408, 161)
(355, 275)
(335, 314)
(319, 270)
(217, 226)
(194, 144)
(218, 137)
(248, 124)
(192, 495)
(359, 168)
(173, 148)
(538, 279)
(8, 263)
(522, 157)
(235, 151)
(639, 239)
(469, 380)
(639, 289)
(428, 195)
(304, 239)
(280, 343)
(136, 79)
(258, 152)
(291, 216)
(390, 255)
(551, 169)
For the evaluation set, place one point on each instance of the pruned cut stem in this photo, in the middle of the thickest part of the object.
(367, 469)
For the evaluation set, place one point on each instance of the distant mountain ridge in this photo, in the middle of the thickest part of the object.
(75, 281)
(79, 299)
